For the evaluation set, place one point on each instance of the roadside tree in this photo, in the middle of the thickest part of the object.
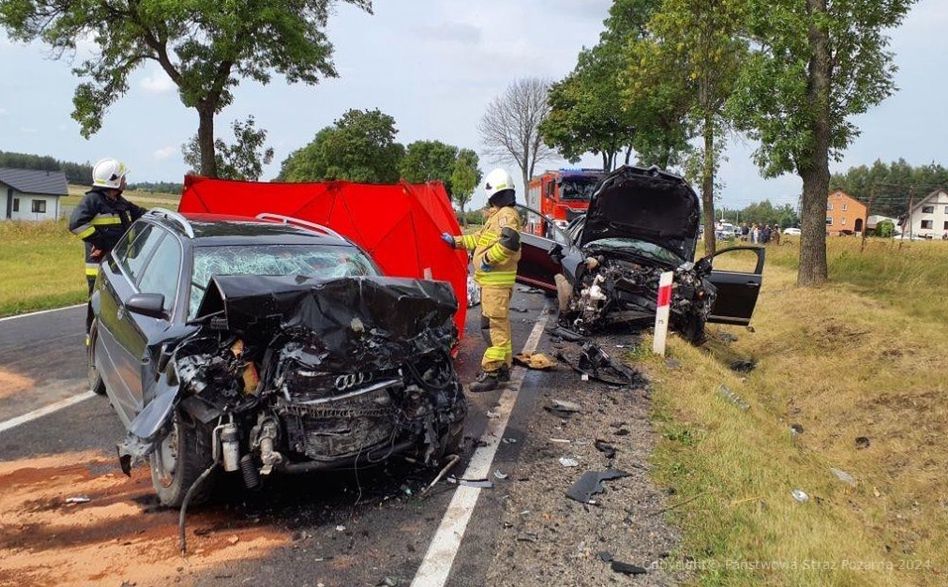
(429, 160)
(464, 179)
(510, 128)
(815, 64)
(360, 147)
(205, 47)
(242, 160)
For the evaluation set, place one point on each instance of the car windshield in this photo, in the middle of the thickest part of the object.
(577, 189)
(306, 260)
(638, 247)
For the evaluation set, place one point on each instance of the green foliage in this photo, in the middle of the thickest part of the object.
(242, 160)
(79, 173)
(429, 160)
(772, 102)
(359, 147)
(885, 229)
(894, 183)
(157, 187)
(471, 217)
(204, 46)
(464, 178)
(765, 213)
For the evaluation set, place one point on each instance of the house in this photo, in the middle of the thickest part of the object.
(929, 217)
(844, 214)
(30, 194)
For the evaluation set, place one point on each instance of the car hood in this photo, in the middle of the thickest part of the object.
(644, 204)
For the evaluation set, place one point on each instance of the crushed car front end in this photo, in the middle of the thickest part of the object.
(295, 374)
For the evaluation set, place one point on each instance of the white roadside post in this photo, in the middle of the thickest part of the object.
(663, 309)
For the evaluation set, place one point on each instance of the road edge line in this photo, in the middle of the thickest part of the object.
(436, 566)
(45, 410)
(38, 312)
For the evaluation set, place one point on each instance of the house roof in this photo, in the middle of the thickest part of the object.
(33, 181)
(843, 194)
(925, 200)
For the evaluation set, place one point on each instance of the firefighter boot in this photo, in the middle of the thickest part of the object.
(486, 381)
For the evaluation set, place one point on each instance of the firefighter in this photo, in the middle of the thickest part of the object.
(102, 217)
(496, 252)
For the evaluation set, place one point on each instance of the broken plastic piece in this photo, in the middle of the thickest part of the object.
(843, 476)
(800, 496)
(568, 462)
(500, 474)
(478, 483)
(78, 499)
(605, 448)
(733, 398)
(591, 483)
(627, 569)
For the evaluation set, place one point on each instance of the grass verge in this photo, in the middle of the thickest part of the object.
(851, 360)
(42, 265)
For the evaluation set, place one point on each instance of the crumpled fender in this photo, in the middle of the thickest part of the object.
(150, 425)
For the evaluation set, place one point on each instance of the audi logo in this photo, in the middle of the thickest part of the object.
(344, 382)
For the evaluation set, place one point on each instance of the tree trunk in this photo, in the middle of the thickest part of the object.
(707, 186)
(206, 141)
(463, 216)
(628, 154)
(814, 167)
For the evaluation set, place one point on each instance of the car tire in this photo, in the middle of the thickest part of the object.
(180, 458)
(96, 384)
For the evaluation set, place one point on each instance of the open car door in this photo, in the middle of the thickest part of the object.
(737, 290)
(542, 257)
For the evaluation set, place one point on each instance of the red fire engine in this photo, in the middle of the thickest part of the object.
(560, 196)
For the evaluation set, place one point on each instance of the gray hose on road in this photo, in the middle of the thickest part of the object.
(182, 538)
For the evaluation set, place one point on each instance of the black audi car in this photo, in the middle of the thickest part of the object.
(606, 264)
(254, 346)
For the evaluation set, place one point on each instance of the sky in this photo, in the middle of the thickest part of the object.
(434, 66)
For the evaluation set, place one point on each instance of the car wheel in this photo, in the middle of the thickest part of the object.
(178, 461)
(96, 384)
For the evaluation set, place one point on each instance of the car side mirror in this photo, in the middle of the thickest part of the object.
(556, 253)
(147, 304)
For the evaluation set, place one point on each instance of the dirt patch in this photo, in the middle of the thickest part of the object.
(50, 534)
(547, 538)
(13, 383)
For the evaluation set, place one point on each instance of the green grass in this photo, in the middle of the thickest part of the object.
(853, 358)
(43, 267)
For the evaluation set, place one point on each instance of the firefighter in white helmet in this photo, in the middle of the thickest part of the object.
(102, 217)
(496, 252)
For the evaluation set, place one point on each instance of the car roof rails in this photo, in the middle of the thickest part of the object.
(175, 218)
(300, 223)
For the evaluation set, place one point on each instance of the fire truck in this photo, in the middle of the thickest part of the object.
(561, 196)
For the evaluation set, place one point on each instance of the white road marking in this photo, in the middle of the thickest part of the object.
(45, 410)
(40, 312)
(436, 566)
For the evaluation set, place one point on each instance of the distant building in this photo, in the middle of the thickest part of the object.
(844, 214)
(28, 194)
(929, 218)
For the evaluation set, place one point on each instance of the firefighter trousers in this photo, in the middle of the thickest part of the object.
(495, 326)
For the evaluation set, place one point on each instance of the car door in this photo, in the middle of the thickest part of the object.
(116, 332)
(542, 258)
(737, 289)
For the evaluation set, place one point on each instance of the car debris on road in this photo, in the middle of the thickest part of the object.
(591, 483)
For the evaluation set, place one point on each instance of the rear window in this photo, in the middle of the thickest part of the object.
(283, 260)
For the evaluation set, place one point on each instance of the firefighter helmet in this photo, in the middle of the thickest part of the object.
(500, 188)
(109, 173)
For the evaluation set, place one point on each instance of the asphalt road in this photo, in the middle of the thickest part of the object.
(338, 529)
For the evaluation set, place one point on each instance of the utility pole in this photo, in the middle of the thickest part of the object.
(865, 221)
(908, 216)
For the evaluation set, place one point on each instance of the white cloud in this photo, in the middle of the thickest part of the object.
(165, 152)
(157, 83)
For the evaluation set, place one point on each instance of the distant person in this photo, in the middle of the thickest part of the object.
(765, 234)
(745, 231)
(755, 234)
(776, 235)
(101, 218)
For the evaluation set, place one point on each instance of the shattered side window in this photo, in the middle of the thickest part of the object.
(283, 260)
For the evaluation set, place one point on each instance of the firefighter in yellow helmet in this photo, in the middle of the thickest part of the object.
(496, 252)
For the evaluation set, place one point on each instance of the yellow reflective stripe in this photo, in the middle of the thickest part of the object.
(495, 353)
(468, 241)
(498, 254)
(92, 269)
(487, 239)
(105, 219)
(495, 277)
(84, 231)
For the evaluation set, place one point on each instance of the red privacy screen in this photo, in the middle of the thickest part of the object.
(399, 225)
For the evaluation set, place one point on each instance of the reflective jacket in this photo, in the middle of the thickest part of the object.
(101, 221)
(498, 245)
